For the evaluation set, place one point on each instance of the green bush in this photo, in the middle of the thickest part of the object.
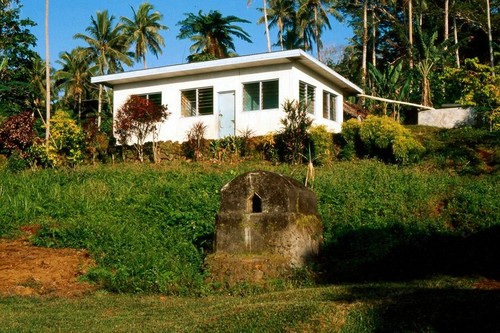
(292, 140)
(321, 145)
(383, 138)
(66, 140)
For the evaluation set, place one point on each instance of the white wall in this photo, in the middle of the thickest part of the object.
(260, 122)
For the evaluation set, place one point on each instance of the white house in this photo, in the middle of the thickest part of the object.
(235, 94)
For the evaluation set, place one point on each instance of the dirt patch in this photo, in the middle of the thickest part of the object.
(30, 270)
(487, 284)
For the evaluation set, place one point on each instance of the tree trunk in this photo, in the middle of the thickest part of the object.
(365, 44)
(446, 19)
(410, 31)
(490, 39)
(316, 33)
(267, 27)
(455, 35)
(79, 108)
(99, 107)
(374, 39)
(426, 91)
(47, 74)
(280, 25)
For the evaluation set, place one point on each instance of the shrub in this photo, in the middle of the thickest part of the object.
(321, 144)
(66, 140)
(383, 138)
(196, 143)
(96, 142)
(266, 146)
(293, 138)
(17, 133)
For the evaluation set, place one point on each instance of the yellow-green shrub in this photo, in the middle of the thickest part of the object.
(322, 144)
(381, 137)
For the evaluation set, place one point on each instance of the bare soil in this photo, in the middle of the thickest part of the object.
(29, 270)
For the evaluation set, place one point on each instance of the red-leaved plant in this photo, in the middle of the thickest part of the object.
(137, 120)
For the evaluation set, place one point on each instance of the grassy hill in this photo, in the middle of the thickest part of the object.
(150, 226)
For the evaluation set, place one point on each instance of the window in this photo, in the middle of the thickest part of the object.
(263, 95)
(155, 97)
(306, 96)
(329, 106)
(197, 102)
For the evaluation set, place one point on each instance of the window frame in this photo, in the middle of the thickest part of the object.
(199, 94)
(263, 97)
(307, 98)
(154, 100)
(330, 98)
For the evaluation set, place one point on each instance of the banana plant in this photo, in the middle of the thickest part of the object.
(390, 83)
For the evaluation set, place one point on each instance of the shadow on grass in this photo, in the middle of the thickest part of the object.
(398, 254)
(422, 310)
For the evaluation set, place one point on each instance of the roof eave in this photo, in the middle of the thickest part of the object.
(112, 80)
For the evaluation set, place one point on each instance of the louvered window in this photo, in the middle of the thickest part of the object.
(197, 102)
(329, 106)
(307, 95)
(262, 95)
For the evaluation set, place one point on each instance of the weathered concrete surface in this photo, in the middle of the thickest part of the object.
(265, 212)
(446, 118)
(267, 225)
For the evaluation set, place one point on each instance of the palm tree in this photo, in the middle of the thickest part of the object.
(143, 30)
(212, 33)
(264, 9)
(281, 13)
(47, 75)
(107, 47)
(74, 76)
(313, 15)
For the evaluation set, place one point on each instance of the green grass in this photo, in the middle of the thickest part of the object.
(438, 305)
(149, 227)
(403, 245)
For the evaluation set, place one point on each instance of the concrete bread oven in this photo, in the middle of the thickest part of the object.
(268, 220)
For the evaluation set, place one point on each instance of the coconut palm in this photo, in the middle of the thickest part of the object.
(74, 76)
(143, 30)
(212, 33)
(313, 18)
(107, 47)
(281, 13)
(264, 9)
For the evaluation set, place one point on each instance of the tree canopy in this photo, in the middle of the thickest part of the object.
(212, 33)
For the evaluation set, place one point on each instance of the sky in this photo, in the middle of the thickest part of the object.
(66, 18)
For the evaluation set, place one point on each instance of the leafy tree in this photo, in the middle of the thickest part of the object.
(137, 120)
(477, 86)
(212, 33)
(143, 31)
(16, 54)
(107, 47)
